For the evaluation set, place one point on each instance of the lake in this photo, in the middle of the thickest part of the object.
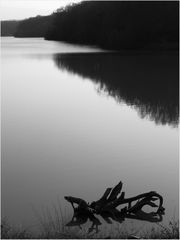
(76, 120)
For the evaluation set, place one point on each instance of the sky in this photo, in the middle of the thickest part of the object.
(20, 9)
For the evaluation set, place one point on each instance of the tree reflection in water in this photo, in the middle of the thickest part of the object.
(147, 82)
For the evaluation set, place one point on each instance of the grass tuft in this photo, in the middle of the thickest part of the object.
(52, 226)
(170, 231)
(10, 232)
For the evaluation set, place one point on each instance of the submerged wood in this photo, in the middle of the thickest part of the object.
(107, 205)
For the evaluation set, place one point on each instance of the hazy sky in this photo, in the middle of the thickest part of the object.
(20, 9)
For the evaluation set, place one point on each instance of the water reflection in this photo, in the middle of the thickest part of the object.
(148, 83)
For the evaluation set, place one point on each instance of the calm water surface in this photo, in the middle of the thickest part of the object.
(76, 120)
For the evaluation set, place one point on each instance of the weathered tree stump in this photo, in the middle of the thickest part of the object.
(107, 205)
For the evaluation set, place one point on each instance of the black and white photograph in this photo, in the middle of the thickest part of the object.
(89, 119)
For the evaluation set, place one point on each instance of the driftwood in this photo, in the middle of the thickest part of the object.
(107, 205)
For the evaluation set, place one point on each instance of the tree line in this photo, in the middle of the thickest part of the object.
(34, 27)
(8, 28)
(110, 24)
(30, 27)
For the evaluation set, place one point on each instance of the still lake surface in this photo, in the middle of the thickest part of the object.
(76, 120)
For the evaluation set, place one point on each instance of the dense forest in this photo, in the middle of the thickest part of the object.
(109, 24)
(118, 24)
(34, 27)
(30, 27)
(8, 28)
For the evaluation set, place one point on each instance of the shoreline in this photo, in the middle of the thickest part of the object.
(156, 49)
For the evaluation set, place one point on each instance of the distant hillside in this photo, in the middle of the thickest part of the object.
(118, 24)
(34, 27)
(8, 28)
